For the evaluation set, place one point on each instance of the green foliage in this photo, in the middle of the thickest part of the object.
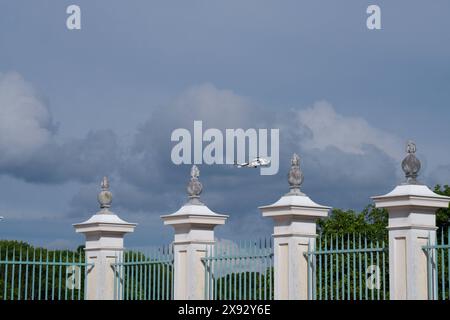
(244, 285)
(347, 230)
(443, 215)
(28, 272)
(371, 221)
(145, 277)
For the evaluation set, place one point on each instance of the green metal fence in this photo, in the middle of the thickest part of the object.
(349, 267)
(242, 271)
(438, 266)
(144, 275)
(28, 273)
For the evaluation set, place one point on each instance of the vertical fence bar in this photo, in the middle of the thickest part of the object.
(72, 289)
(135, 277)
(266, 266)
(211, 273)
(5, 291)
(260, 273)
(365, 267)
(26, 276)
(326, 268)
(378, 267)
(79, 274)
(448, 259)
(442, 267)
(319, 246)
(337, 267)
(226, 271)
(348, 266)
(308, 270)
(141, 261)
(331, 268)
(126, 276)
(436, 272)
(60, 274)
(115, 267)
(20, 275)
(216, 272)
(254, 272)
(123, 271)
(46, 275)
(272, 269)
(40, 275)
(360, 269)
(33, 276)
(65, 287)
(53, 276)
(236, 270)
(13, 273)
(245, 274)
(161, 273)
(342, 268)
(384, 271)
(1, 259)
(354, 265)
(206, 260)
(154, 275)
(371, 263)
(429, 270)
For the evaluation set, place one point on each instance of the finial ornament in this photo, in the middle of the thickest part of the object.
(295, 175)
(105, 196)
(194, 188)
(411, 165)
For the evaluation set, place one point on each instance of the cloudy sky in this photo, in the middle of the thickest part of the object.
(103, 100)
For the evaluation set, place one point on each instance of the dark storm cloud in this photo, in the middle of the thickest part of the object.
(116, 78)
(340, 172)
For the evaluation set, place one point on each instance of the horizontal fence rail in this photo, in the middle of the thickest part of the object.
(349, 267)
(144, 275)
(39, 274)
(239, 271)
(438, 266)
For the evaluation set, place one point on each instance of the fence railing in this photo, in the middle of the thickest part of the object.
(438, 266)
(242, 271)
(349, 267)
(144, 275)
(40, 274)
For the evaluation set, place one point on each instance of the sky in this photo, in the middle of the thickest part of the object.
(76, 105)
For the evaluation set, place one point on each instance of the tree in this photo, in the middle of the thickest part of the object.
(371, 222)
(443, 214)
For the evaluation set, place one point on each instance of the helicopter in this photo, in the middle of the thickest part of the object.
(255, 163)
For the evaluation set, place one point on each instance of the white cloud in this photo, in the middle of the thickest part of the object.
(25, 122)
(218, 107)
(326, 128)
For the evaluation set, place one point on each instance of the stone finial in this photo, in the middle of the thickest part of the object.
(411, 165)
(194, 187)
(105, 196)
(295, 175)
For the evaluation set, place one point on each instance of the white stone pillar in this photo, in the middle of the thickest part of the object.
(412, 223)
(194, 225)
(294, 217)
(104, 233)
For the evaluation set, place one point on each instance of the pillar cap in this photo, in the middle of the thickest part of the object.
(411, 195)
(104, 220)
(194, 211)
(295, 203)
(191, 213)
